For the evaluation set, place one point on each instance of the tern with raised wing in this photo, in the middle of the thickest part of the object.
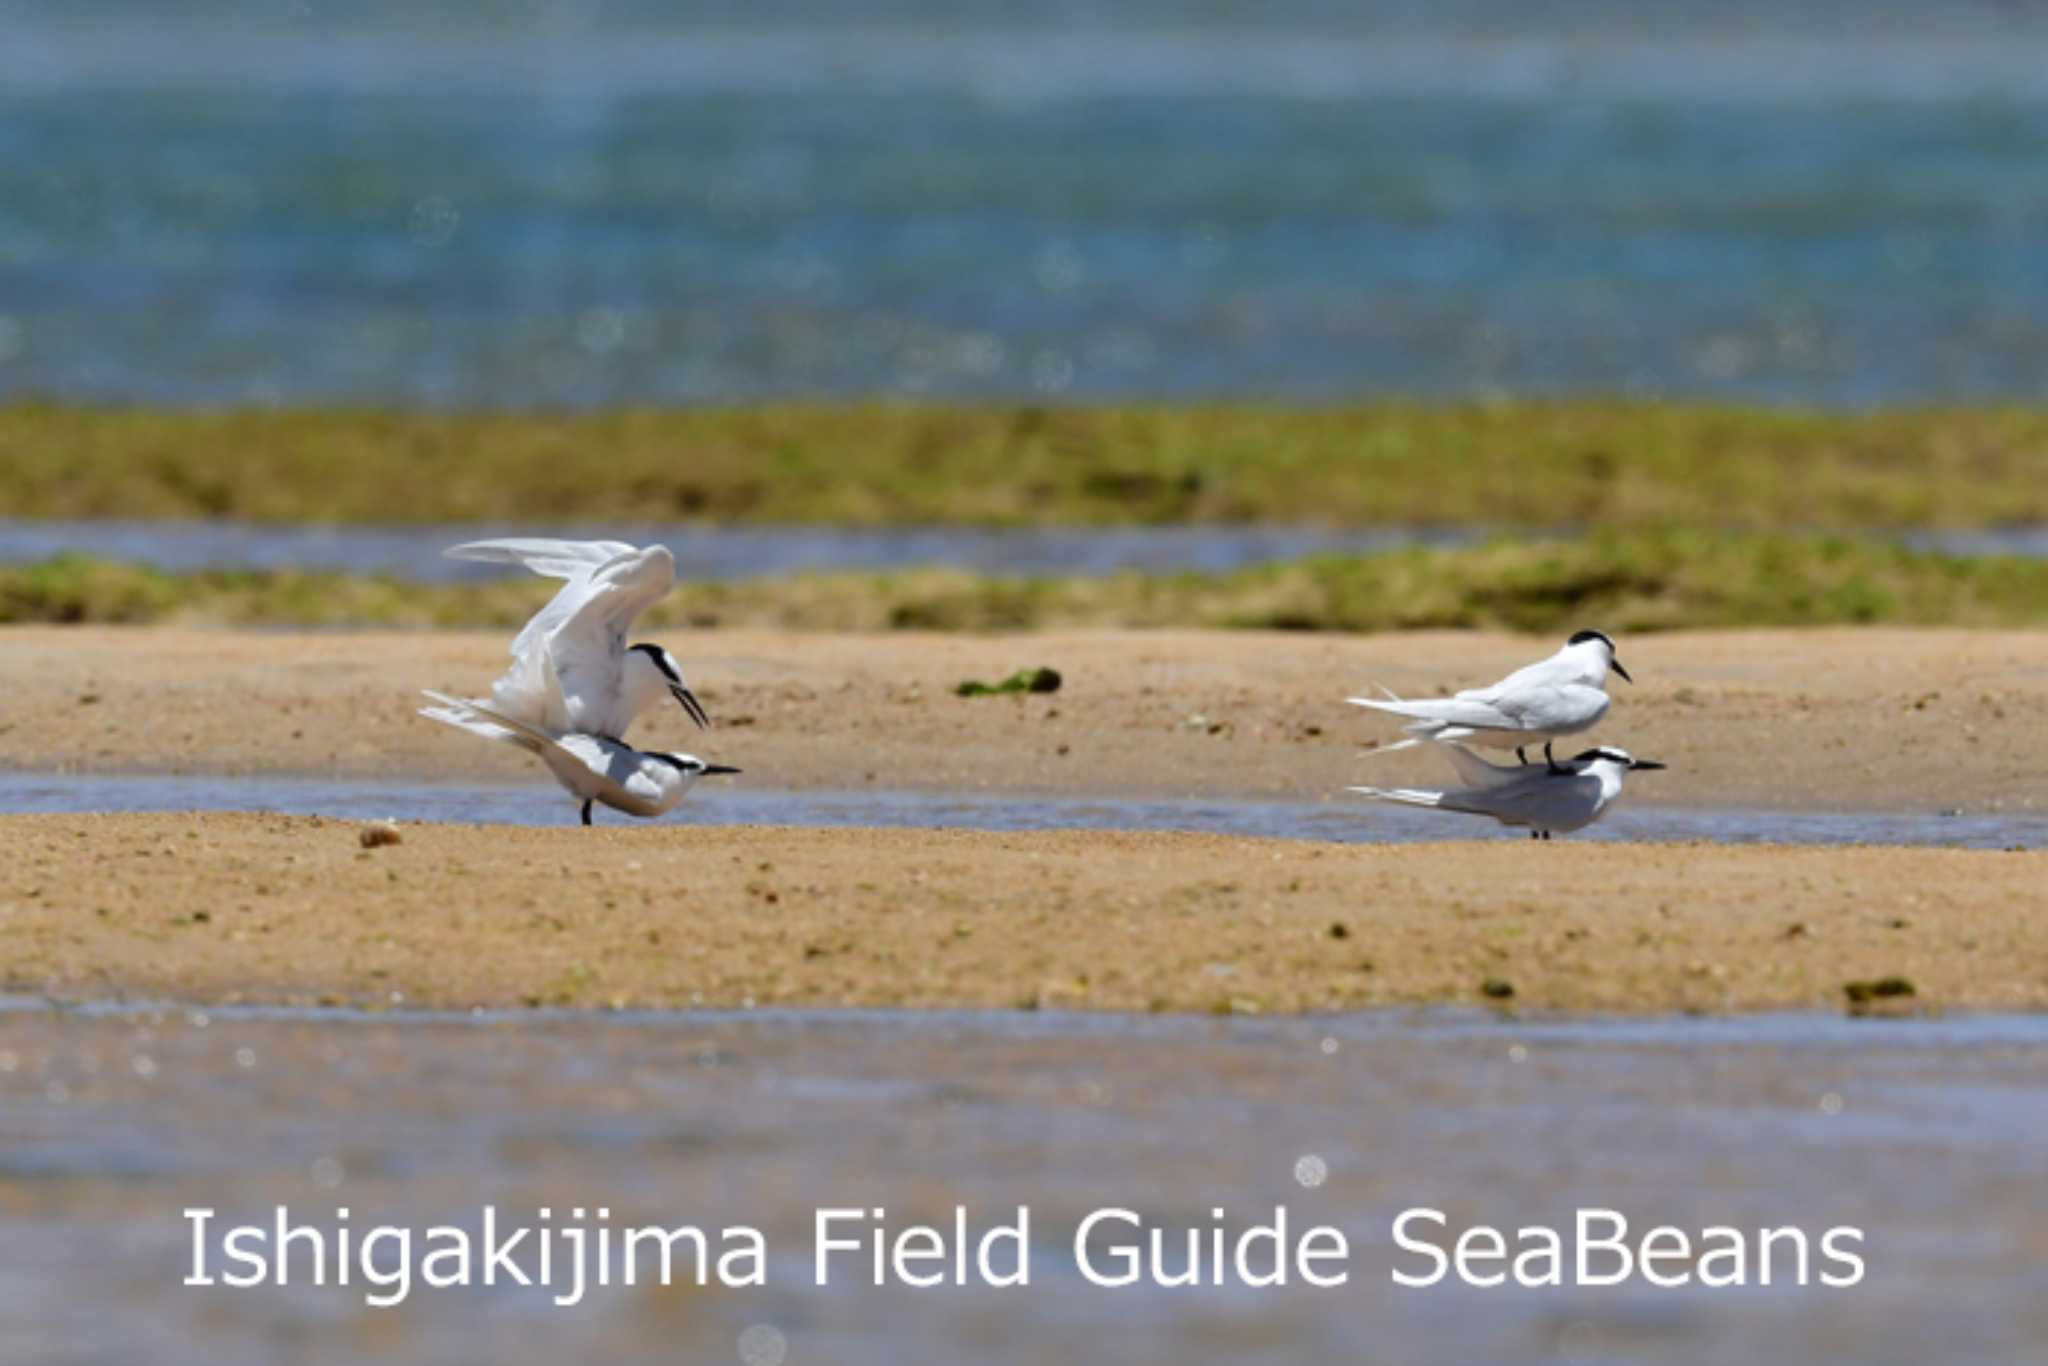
(1544, 798)
(602, 685)
(1554, 697)
(594, 768)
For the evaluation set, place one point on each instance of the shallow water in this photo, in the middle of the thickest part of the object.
(414, 552)
(706, 552)
(1342, 819)
(2028, 541)
(1925, 1135)
(550, 203)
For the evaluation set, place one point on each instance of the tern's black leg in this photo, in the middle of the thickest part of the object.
(1535, 834)
(1520, 757)
(586, 810)
(1550, 760)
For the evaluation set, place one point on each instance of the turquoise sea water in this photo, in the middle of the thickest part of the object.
(526, 204)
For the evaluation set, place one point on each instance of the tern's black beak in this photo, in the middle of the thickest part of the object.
(712, 769)
(1646, 763)
(690, 704)
(1616, 665)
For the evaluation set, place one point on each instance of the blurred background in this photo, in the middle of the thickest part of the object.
(539, 203)
(295, 293)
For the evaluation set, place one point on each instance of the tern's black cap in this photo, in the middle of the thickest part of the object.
(660, 658)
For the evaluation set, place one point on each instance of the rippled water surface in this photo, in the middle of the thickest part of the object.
(1341, 818)
(1924, 1135)
(559, 203)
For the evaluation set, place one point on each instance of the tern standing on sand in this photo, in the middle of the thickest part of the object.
(1558, 696)
(600, 684)
(1542, 797)
(591, 767)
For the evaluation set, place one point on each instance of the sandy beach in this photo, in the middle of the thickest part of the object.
(276, 909)
(1895, 720)
(219, 907)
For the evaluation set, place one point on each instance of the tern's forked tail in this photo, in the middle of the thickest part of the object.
(478, 719)
(1403, 796)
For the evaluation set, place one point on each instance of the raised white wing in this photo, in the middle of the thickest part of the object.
(581, 633)
(579, 562)
(587, 644)
(548, 558)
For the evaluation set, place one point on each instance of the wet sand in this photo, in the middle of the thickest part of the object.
(1840, 719)
(264, 908)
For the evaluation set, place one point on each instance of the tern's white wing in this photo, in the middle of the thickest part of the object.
(548, 558)
(1473, 712)
(1544, 672)
(579, 562)
(1553, 708)
(581, 633)
(587, 645)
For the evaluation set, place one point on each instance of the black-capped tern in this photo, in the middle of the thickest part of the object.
(1543, 798)
(593, 768)
(1562, 695)
(604, 685)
